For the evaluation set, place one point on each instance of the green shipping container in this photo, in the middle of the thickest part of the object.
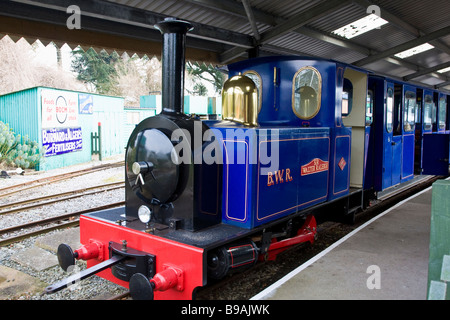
(132, 117)
(62, 122)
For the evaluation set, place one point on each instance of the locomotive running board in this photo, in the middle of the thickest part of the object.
(83, 274)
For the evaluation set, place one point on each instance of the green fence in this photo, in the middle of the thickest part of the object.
(439, 261)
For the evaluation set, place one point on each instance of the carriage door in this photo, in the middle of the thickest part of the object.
(436, 147)
(393, 136)
(397, 135)
(408, 144)
(436, 154)
(388, 134)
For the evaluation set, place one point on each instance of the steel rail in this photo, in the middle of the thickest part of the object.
(56, 219)
(60, 177)
(102, 188)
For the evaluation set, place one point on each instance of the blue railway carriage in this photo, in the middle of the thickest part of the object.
(306, 143)
(410, 132)
(394, 128)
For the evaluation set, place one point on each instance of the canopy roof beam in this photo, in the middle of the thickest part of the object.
(427, 71)
(405, 46)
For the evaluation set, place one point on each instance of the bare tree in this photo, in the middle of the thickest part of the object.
(138, 77)
(19, 69)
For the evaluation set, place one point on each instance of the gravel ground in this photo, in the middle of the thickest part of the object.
(88, 289)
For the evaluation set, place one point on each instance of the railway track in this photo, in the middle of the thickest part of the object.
(13, 232)
(48, 204)
(122, 296)
(13, 189)
(37, 202)
(59, 222)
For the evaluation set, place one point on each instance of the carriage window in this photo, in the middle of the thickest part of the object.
(389, 110)
(442, 113)
(347, 98)
(418, 111)
(398, 104)
(258, 82)
(306, 93)
(369, 108)
(427, 112)
(434, 114)
(409, 111)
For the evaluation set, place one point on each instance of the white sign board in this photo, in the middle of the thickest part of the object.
(59, 109)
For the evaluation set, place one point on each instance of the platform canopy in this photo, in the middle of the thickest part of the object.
(230, 30)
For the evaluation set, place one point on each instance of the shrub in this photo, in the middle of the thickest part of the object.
(18, 151)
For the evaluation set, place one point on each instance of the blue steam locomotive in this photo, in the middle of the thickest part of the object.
(298, 136)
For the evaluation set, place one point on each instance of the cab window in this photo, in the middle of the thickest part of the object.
(306, 93)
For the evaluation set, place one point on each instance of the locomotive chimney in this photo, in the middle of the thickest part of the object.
(173, 63)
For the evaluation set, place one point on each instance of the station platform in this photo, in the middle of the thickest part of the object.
(384, 259)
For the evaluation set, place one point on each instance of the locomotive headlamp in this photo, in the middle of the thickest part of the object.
(144, 214)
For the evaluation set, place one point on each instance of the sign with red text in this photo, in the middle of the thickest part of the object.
(59, 109)
(315, 166)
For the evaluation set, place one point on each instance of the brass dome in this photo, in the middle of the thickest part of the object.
(240, 100)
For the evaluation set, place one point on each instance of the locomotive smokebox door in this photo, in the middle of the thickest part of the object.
(152, 168)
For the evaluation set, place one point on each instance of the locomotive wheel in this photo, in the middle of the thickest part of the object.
(140, 287)
(218, 264)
